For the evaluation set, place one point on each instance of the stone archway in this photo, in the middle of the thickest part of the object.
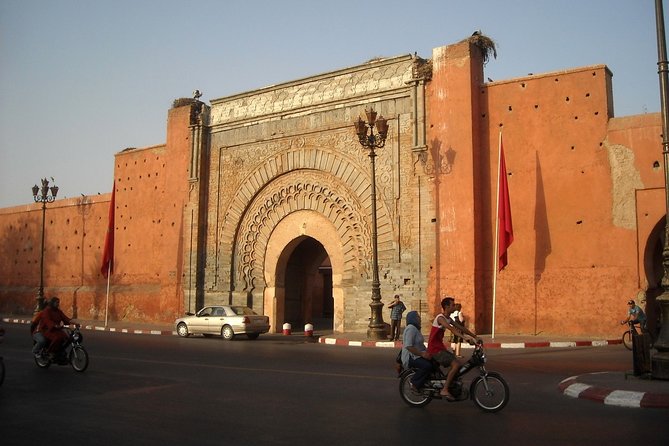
(652, 260)
(286, 237)
(332, 187)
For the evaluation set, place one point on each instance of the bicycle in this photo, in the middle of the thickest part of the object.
(628, 335)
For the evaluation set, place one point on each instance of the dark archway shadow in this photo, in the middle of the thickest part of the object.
(308, 286)
(652, 260)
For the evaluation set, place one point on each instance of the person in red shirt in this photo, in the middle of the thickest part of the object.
(37, 328)
(438, 350)
(53, 320)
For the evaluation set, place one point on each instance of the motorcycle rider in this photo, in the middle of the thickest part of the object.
(414, 353)
(438, 350)
(53, 320)
(37, 328)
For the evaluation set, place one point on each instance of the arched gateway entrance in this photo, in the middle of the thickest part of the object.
(303, 270)
(654, 271)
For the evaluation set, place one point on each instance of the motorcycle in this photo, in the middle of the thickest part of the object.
(488, 390)
(72, 352)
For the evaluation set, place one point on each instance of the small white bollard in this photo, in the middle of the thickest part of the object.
(308, 330)
(286, 329)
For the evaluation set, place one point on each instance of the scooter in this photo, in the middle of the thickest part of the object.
(489, 391)
(72, 352)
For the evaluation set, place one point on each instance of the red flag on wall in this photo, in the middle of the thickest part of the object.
(505, 237)
(108, 253)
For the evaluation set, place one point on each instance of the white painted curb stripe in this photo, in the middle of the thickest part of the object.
(624, 398)
(512, 345)
(576, 389)
(563, 344)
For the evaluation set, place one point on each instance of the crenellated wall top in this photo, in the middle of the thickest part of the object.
(379, 77)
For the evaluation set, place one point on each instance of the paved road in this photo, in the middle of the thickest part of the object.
(166, 390)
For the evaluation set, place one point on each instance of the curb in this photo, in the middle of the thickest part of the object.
(574, 388)
(102, 328)
(350, 343)
(131, 331)
(544, 344)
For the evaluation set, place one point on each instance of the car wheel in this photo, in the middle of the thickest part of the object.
(227, 333)
(182, 330)
(252, 335)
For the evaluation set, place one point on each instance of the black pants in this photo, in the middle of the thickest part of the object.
(395, 329)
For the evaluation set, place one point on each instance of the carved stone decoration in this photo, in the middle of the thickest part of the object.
(293, 180)
(301, 190)
(379, 77)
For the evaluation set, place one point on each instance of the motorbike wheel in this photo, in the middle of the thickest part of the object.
(491, 393)
(413, 399)
(627, 340)
(79, 358)
(43, 361)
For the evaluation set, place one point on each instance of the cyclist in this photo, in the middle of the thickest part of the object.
(636, 315)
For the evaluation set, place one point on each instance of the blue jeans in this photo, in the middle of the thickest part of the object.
(423, 368)
(40, 342)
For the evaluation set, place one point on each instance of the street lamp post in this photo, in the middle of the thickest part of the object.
(41, 195)
(660, 361)
(371, 141)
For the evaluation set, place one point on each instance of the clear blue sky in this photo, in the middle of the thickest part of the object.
(82, 80)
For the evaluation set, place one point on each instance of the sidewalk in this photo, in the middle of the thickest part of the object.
(611, 388)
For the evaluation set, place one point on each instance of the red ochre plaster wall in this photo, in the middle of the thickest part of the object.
(151, 189)
(453, 127)
(74, 239)
(573, 179)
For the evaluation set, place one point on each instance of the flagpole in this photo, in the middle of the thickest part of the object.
(108, 253)
(107, 300)
(496, 242)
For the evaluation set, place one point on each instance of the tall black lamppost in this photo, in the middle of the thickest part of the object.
(41, 195)
(371, 141)
(660, 361)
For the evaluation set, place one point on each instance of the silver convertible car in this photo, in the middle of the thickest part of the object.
(224, 320)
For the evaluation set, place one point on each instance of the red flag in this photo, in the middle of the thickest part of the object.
(505, 236)
(108, 253)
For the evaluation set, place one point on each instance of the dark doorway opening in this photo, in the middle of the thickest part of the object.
(308, 287)
(654, 273)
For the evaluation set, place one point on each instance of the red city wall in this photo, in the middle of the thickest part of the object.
(572, 185)
(151, 190)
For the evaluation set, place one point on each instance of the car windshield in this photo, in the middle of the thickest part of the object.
(243, 311)
(207, 311)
